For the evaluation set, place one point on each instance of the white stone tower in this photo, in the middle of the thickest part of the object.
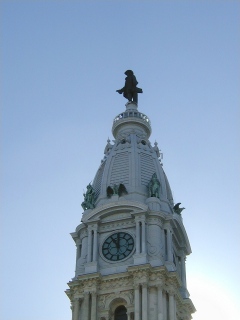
(131, 243)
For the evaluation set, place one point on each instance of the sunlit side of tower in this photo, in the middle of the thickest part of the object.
(131, 242)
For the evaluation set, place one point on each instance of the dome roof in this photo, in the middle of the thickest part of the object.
(130, 164)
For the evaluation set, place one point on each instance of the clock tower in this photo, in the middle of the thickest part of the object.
(131, 242)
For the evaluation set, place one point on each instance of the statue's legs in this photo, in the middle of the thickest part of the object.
(129, 96)
(135, 97)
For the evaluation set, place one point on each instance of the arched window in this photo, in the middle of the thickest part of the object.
(120, 313)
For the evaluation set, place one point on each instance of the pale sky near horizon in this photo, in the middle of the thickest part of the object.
(62, 62)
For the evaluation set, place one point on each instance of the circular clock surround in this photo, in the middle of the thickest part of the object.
(118, 246)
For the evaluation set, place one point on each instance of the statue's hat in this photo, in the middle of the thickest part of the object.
(128, 72)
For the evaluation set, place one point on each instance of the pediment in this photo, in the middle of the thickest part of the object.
(115, 211)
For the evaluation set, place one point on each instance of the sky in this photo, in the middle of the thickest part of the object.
(61, 63)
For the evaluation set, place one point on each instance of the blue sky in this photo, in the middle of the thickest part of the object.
(61, 64)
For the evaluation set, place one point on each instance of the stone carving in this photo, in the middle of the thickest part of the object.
(154, 187)
(131, 296)
(152, 249)
(123, 139)
(108, 147)
(118, 226)
(176, 208)
(119, 190)
(123, 142)
(130, 90)
(154, 244)
(140, 275)
(113, 283)
(102, 301)
(89, 196)
(77, 290)
(90, 284)
(83, 233)
(157, 277)
(144, 144)
(80, 264)
(170, 289)
(158, 152)
(116, 299)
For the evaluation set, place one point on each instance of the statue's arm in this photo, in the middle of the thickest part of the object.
(120, 90)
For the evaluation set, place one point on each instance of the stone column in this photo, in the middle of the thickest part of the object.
(86, 306)
(144, 301)
(94, 306)
(84, 249)
(75, 309)
(160, 302)
(169, 246)
(137, 237)
(171, 306)
(136, 302)
(143, 237)
(95, 238)
(78, 244)
(78, 253)
(128, 315)
(89, 256)
(183, 271)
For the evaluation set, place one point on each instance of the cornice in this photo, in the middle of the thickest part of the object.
(189, 305)
(120, 284)
(131, 206)
(173, 278)
(140, 215)
(140, 268)
(180, 232)
(155, 220)
(117, 224)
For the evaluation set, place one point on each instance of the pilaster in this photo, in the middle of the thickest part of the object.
(145, 300)
(94, 306)
(136, 302)
(85, 306)
(75, 309)
(92, 256)
(140, 257)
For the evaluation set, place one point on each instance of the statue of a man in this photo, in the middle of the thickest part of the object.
(130, 90)
(154, 187)
(88, 202)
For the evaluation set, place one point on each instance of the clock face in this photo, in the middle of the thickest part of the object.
(118, 246)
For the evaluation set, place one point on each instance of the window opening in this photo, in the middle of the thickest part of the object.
(120, 313)
(165, 242)
(92, 245)
(140, 228)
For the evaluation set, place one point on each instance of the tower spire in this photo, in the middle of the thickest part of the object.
(131, 242)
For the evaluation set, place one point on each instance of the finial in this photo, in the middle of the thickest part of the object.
(108, 147)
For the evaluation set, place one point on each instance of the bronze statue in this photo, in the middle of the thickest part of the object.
(177, 208)
(154, 187)
(89, 196)
(130, 90)
(119, 190)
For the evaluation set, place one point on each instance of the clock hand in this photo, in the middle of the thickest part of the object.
(114, 240)
(118, 241)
